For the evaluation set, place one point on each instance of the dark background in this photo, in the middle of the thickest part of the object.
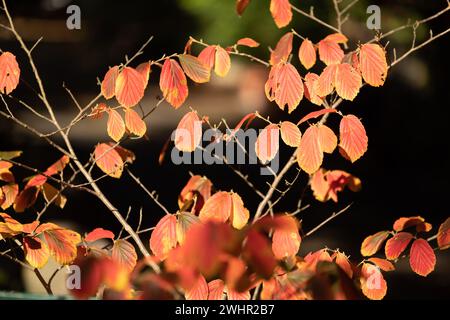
(404, 171)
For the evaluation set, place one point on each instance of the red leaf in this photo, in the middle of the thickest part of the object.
(195, 68)
(130, 86)
(353, 138)
(108, 86)
(342, 261)
(144, 70)
(267, 143)
(173, 83)
(290, 134)
(124, 254)
(217, 208)
(443, 236)
(408, 222)
(373, 284)
(199, 291)
(216, 290)
(348, 81)
(164, 237)
(58, 166)
(108, 160)
(307, 54)
(26, 198)
(258, 253)
(330, 52)
(188, 134)
(315, 114)
(248, 42)
(397, 244)
(373, 65)
(373, 243)
(97, 234)
(310, 87)
(285, 243)
(281, 12)
(9, 73)
(241, 5)
(282, 50)
(134, 123)
(326, 184)
(196, 186)
(382, 264)
(115, 125)
(222, 63)
(208, 56)
(234, 295)
(422, 258)
(36, 252)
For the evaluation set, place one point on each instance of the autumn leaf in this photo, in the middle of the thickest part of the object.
(108, 160)
(134, 123)
(188, 134)
(407, 222)
(372, 63)
(144, 69)
(353, 138)
(217, 208)
(316, 114)
(336, 37)
(267, 144)
(51, 194)
(443, 235)
(327, 80)
(372, 281)
(397, 244)
(208, 56)
(290, 134)
(97, 234)
(185, 220)
(9, 72)
(281, 12)
(383, 264)
(348, 81)
(130, 87)
(239, 214)
(373, 243)
(343, 262)
(216, 290)
(173, 83)
(199, 291)
(307, 54)
(310, 89)
(326, 184)
(108, 86)
(330, 52)
(222, 62)
(10, 192)
(241, 5)
(36, 252)
(164, 236)
(25, 199)
(115, 125)
(194, 68)
(282, 50)
(124, 254)
(285, 242)
(247, 42)
(421, 257)
(258, 253)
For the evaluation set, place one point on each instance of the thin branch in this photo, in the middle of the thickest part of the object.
(334, 215)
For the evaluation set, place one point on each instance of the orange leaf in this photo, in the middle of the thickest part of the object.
(195, 68)
(422, 258)
(373, 243)
(382, 264)
(97, 234)
(373, 65)
(26, 198)
(373, 284)
(130, 86)
(199, 291)
(10, 192)
(342, 261)
(307, 54)
(9, 72)
(115, 125)
(222, 63)
(108, 160)
(51, 194)
(326, 184)
(290, 134)
(310, 87)
(36, 252)
(309, 153)
(258, 253)
(173, 83)
(285, 86)
(248, 42)
(408, 222)
(124, 254)
(239, 214)
(397, 244)
(58, 166)
(330, 52)
(348, 81)
(315, 114)
(62, 243)
(108, 86)
(267, 143)
(353, 138)
(164, 237)
(443, 236)
(188, 134)
(285, 243)
(184, 223)
(216, 289)
(327, 80)
(196, 186)
(217, 208)
(282, 50)
(241, 5)
(207, 56)
(234, 295)
(281, 12)
(144, 70)
(134, 123)
(327, 139)
(337, 37)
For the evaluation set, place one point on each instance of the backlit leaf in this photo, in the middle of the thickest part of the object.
(290, 134)
(258, 253)
(216, 290)
(421, 257)
(310, 87)
(286, 87)
(188, 134)
(373, 65)
(52, 194)
(97, 234)
(383, 264)
(10, 192)
(327, 80)
(337, 37)
(248, 42)
(326, 184)
(9, 155)
(307, 54)
(241, 5)
(124, 254)
(164, 236)
(327, 139)
(185, 220)
(372, 281)
(330, 52)
(217, 208)
(282, 50)
(268, 143)
(144, 69)
(130, 86)
(239, 214)
(348, 81)
(9, 72)
(61, 242)
(443, 236)
(134, 123)
(26, 198)
(199, 291)
(222, 63)
(36, 252)
(208, 56)
(194, 68)
(315, 114)
(407, 222)
(309, 153)
(397, 244)
(285, 243)
(108, 86)
(373, 243)
(115, 125)
(108, 160)
(343, 262)
(173, 83)
(281, 12)
(353, 138)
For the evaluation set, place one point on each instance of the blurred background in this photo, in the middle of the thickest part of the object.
(404, 173)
